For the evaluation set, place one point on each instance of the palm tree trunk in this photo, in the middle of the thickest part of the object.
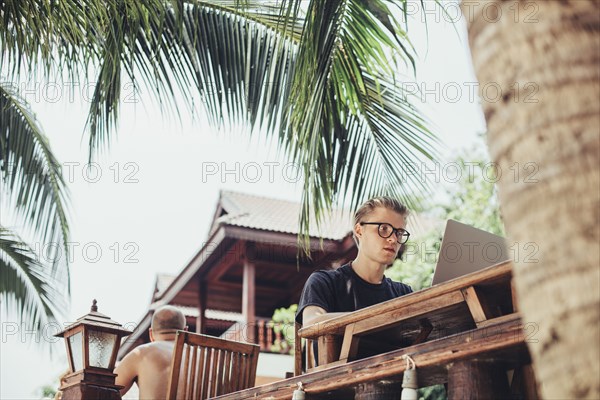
(543, 133)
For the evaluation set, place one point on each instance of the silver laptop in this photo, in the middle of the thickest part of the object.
(466, 249)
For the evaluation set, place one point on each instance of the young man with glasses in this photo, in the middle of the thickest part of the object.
(379, 232)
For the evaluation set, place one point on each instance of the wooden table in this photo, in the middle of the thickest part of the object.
(456, 330)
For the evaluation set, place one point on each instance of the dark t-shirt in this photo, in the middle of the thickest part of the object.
(342, 290)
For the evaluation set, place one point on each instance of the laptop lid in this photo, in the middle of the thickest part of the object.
(466, 249)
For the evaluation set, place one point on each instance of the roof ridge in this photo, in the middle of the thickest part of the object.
(256, 196)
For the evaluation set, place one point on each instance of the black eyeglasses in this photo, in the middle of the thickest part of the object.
(386, 230)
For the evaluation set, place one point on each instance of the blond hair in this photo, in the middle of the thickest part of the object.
(382, 201)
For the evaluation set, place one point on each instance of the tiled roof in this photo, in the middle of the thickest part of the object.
(162, 283)
(263, 213)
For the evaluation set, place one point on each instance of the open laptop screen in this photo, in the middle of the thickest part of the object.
(466, 249)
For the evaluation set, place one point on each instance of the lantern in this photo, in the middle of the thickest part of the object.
(92, 343)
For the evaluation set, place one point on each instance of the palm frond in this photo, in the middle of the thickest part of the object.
(318, 74)
(32, 182)
(26, 285)
(223, 51)
(349, 127)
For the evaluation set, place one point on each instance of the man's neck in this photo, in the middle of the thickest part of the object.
(164, 338)
(368, 270)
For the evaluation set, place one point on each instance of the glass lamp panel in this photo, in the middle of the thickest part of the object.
(101, 348)
(76, 345)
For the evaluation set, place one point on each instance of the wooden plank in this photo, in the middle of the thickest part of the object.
(297, 351)
(253, 366)
(496, 273)
(329, 349)
(263, 290)
(249, 300)
(230, 257)
(220, 373)
(186, 370)
(349, 344)
(207, 372)
(501, 341)
(192, 377)
(391, 318)
(497, 320)
(469, 379)
(201, 372)
(524, 383)
(513, 292)
(475, 306)
(426, 329)
(175, 366)
(212, 386)
(236, 382)
(201, 319)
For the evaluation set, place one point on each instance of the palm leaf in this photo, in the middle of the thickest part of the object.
(343, 89)
(319, 75)
(26, 285)
(32, 182)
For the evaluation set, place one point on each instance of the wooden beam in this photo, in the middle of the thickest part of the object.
(523, 382)
(201, 319)
(503, 342)
(237, 287)
(391, 318)
(249, 300)
(349, 345)
(470, 379)
(233, 255)
(297, 351)
(329, 349)
(475, 305)
(426, 329)
(513, 292)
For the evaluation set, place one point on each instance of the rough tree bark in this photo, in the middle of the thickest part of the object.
(538, 68)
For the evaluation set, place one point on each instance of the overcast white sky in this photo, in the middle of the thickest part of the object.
(147, 205)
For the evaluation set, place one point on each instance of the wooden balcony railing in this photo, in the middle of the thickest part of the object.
(270, 335)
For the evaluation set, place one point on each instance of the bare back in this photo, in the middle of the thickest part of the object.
(150, 366)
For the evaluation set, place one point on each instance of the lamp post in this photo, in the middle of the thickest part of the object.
(92, 343)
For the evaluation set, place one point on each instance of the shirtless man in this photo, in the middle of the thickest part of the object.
(150, 364)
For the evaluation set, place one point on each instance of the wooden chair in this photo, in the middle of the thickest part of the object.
(205, 366)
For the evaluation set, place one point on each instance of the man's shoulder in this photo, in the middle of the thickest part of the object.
(333, 274)
(152, 347)
(400, 288)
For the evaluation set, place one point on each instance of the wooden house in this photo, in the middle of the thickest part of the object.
(245, 269)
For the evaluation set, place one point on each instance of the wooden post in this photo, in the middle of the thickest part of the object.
(248, 299)
(384, 390)
(476, 380)
(524, 384)
(201, 319)
(261, 335)
(329, 349)
(297, 350)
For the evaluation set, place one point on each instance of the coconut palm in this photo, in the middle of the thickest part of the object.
(31, 282)
(543, 133)
(318, 75)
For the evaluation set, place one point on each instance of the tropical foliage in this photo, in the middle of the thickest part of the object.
(33, 188)
(319, 76)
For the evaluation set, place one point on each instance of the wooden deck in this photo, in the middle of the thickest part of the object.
(451, 331)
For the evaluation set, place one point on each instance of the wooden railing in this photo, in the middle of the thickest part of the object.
(270, 335)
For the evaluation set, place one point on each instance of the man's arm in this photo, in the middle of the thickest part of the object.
(313, 314)
(127, 371)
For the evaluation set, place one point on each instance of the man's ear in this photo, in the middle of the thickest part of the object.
(151, 334)
(357, 230)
